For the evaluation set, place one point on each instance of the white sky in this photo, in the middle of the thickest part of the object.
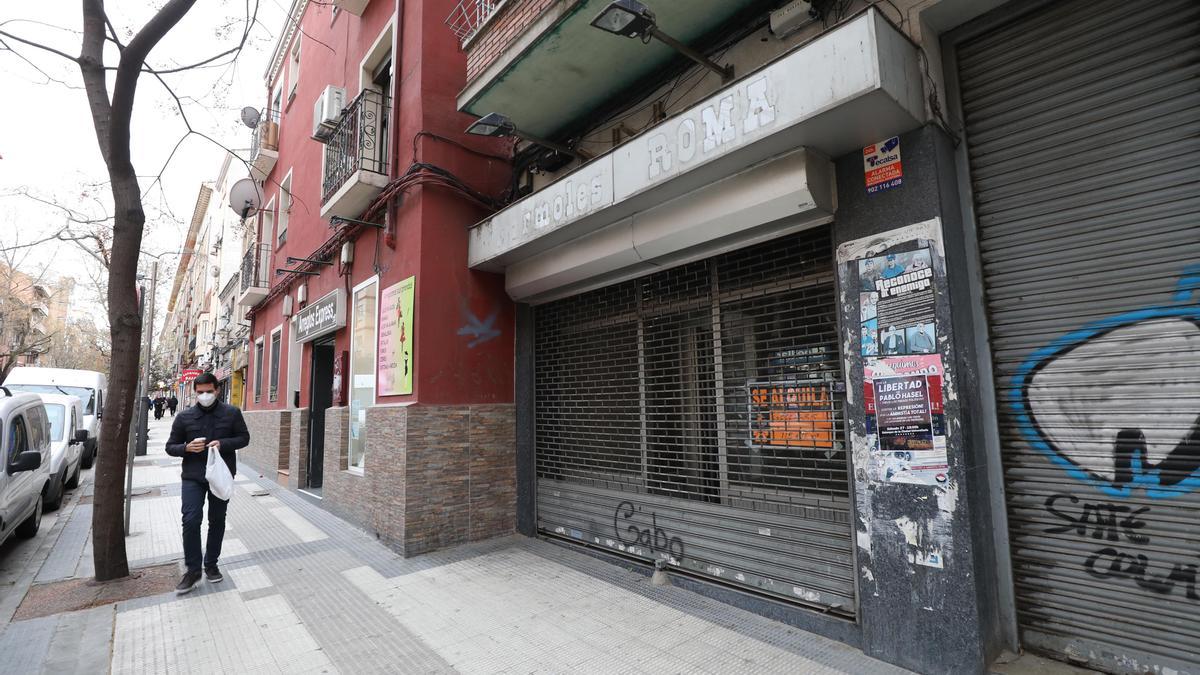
(49, 147)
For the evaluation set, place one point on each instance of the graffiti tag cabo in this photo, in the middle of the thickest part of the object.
(651, 537)
(1120, 526)
(1116, 403)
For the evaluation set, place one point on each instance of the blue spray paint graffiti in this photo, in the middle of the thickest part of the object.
(1106, 448)
(483, 331)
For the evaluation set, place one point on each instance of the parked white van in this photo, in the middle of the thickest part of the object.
(91, 388)
(25, 446)
(67, 438)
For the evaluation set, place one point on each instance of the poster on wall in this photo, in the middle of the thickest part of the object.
(906, 419)
(396, 338)
(896, 304)
(791, 415)
(881, 165)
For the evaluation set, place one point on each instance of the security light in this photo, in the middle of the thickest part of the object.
(630, 18)
(492, 124)
(627, 18)
(284, 270)
(497, 125)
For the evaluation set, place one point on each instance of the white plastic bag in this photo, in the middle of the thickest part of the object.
(220, 481)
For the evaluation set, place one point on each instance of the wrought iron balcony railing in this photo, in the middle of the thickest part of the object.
(255, 272)
(266, 134)
(359, 142)
(469, 16)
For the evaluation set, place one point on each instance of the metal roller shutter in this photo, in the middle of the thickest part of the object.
(694, 417)
(1083, 133)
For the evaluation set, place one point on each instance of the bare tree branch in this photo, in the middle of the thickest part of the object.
(4, 46)
(113, 33)
(36, 45)
(91, 65)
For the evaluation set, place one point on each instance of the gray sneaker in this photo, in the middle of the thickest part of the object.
(187, 583)
(213, 574)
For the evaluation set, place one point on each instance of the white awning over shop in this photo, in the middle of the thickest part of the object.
(749, 163)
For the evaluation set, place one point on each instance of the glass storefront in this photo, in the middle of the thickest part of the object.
(362, 366)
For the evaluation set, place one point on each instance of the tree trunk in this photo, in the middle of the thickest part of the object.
(111, 120)
(108, 513)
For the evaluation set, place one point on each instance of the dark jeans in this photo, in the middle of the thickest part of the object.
(194, 492)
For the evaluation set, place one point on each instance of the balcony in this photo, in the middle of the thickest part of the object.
(548, 48)
(356, 156)
(255, 275)
(40, 307)
(469, 16)
(264, 145)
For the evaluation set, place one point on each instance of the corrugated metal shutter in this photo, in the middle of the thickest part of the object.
(1083, 132)
(694, 416)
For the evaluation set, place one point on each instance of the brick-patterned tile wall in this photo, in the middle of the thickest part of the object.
(270, 440)
(345, 493)
(499, 33)
(387, 427)
(435, 476)
(493, 489)
(297, 464)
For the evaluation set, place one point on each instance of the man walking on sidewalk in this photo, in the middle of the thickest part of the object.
(208, 424)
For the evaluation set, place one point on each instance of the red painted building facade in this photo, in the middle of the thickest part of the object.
(378, 198)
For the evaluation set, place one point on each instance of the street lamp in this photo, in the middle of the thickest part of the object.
(632, 19)
(496, 125)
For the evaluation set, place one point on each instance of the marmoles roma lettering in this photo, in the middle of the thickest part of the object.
(917, 280)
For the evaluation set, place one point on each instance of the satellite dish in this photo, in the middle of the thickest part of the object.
(245, 197)
(250, 116)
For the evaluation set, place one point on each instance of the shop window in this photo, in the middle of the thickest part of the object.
(716, 381)
(363, 338)
(258, 370)
(273, 393)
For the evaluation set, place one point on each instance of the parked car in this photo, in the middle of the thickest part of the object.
(90, 386)
(67, 439)
(25, 442)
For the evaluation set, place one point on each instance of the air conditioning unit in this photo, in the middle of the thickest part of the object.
(326, 112)
(792, 17)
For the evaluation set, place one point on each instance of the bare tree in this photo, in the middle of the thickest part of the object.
(80, 345)
(111, 117)
(23, 311)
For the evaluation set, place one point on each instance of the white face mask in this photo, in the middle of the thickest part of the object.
(206, 399)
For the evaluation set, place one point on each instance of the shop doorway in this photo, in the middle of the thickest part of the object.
(691, 417)
(320, 398)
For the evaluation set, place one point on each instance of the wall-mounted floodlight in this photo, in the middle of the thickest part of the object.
(292, 260)
(632, 19)
(339, 220)
(496, 125)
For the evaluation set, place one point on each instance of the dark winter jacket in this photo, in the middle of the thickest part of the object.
(222, 422)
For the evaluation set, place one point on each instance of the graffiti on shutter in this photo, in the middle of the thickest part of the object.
(1116, 405)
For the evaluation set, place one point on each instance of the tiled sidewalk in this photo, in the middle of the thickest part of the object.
(307, 593)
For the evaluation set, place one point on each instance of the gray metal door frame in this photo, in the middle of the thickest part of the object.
(989, 423)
